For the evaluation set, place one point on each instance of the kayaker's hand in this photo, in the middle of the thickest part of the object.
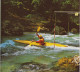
(37, 33)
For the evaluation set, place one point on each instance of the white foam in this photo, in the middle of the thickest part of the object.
(75, 38)
(5, 54)
(69, 48)
(32, 50)
(7, 43)
(27, 50)
(19, 53)
(68, 41)
(70, 33)
(21, 47)
(32, 47)
(64, 48)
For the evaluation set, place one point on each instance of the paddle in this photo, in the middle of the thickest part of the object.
(38, 29)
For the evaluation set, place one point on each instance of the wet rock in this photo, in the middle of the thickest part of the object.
(68, 64)
(32, 67)
(76, 60)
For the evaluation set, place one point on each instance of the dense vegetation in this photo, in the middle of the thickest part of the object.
(19, 16)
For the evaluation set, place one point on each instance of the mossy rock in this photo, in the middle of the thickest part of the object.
(74, 30)
(67, 64)
(33, 67)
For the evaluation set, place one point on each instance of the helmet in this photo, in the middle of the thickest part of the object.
(40, 36)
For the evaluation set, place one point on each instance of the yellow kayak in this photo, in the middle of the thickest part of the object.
(37, 44)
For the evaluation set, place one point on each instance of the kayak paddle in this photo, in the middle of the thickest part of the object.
(38, 29)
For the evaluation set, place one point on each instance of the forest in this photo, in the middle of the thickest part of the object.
(18, 16)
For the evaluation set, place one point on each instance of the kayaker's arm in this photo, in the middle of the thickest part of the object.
(37, 34)
(36, 41)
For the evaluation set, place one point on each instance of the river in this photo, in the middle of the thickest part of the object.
(14, 54)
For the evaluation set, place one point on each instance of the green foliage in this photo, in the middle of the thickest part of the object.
(16, 3)
(75, 4)
(74, 19)
(36, 11)
(66, 2)
(35, 3)
(34, 18)
(11, 28)
(70, 4)
(54, 1)
(29, 16)
(74, 30)
(59, 30)
(13, 2)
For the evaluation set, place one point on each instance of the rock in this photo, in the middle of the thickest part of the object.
(68, 64)
(76, 60)
(33, 67)
(74, 30)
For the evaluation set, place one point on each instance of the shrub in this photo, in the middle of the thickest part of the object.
(59, 30)
(11, 28)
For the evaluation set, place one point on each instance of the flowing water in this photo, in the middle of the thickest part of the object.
(14, 54)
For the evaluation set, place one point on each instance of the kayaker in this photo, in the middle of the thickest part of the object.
(41, 39)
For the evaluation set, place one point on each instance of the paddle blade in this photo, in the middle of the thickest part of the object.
(38, 29)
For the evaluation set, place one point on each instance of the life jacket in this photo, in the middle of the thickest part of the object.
(41, 41)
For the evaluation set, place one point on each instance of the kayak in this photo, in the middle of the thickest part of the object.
(37, 44)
